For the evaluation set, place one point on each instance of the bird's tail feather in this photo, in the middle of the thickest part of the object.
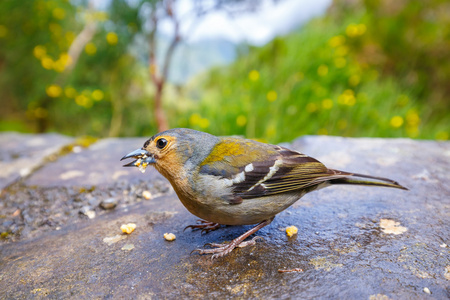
(353, 178)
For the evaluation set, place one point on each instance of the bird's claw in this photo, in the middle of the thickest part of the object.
(250, 242)
(219, 250)
(205, 226)
(214, 245)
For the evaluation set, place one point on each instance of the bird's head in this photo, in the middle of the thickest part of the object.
(173, 152)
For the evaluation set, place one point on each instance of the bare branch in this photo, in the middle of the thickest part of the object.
(176, 39)
(152, 51)
(159, 79)
(81, 40)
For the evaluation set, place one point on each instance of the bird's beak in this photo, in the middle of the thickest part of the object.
(142, 159)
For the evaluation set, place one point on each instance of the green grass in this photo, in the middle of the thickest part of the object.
(309, 82)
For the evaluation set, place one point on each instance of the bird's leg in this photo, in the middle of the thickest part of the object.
(205, 226)
(223, 249)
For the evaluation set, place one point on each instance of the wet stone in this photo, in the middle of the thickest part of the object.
(88, 212)
(352, 242)
(98, 165)
(109, 203)
(21, 154)
(93, 201)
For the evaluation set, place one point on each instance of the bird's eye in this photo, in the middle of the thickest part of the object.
(161, 143)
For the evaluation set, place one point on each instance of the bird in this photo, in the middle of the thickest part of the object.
(236, 181)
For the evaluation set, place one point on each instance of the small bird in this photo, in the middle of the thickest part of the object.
(237, 181)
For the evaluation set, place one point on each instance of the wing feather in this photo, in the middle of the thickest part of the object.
(259, 170)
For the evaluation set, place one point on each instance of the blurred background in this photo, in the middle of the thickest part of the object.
(270, 70)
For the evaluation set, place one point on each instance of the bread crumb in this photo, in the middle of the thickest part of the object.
(169, 236)
(392, 227)
(291, 230)
(128, 228)
(147, 195)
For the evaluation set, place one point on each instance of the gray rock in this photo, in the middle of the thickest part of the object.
(109, 203)
(93, 201)
(87, 211)
(99, 165)
(353, 242)
(21, 154)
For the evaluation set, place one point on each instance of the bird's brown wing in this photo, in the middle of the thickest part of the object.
(284, 172)
(253, 169)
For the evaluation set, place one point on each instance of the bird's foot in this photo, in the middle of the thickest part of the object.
(219, 250)
(205, 226)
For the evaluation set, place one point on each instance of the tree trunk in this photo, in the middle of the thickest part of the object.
(160, 116)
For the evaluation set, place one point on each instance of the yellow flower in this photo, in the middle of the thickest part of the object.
(61, 63)
(340, 62)
(412, 132)
(442, 135)
(39, 51)
(311, 107)
(272, 96)
(354, 30)
(90, 49)
(412, 118)
(347, 98)
(112, 38)
(241, 120)
(55, 28)
(47, 62)
(59, 13)
(361, 29)
(341, 51)
(336, 41)
(97, 95)
(70, 92)
(58, 66)
(40, 113)
(70, 36)
(65, 59)
(194, 119)
(396, 121)
(100, 16)
(253, 75)
(322, 70)
(203, 123)
(53, 90)
(84, 101)
(354, 80)
(327, 103)
(322, 131)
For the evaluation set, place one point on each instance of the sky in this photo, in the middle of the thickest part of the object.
(272, 18)
(257, 28)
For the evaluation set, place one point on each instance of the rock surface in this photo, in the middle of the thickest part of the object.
(353, 242)
(21, 154)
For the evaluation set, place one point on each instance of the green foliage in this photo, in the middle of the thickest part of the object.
(31, 41)
(320, 80)
(44, 88)
(375, 68)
